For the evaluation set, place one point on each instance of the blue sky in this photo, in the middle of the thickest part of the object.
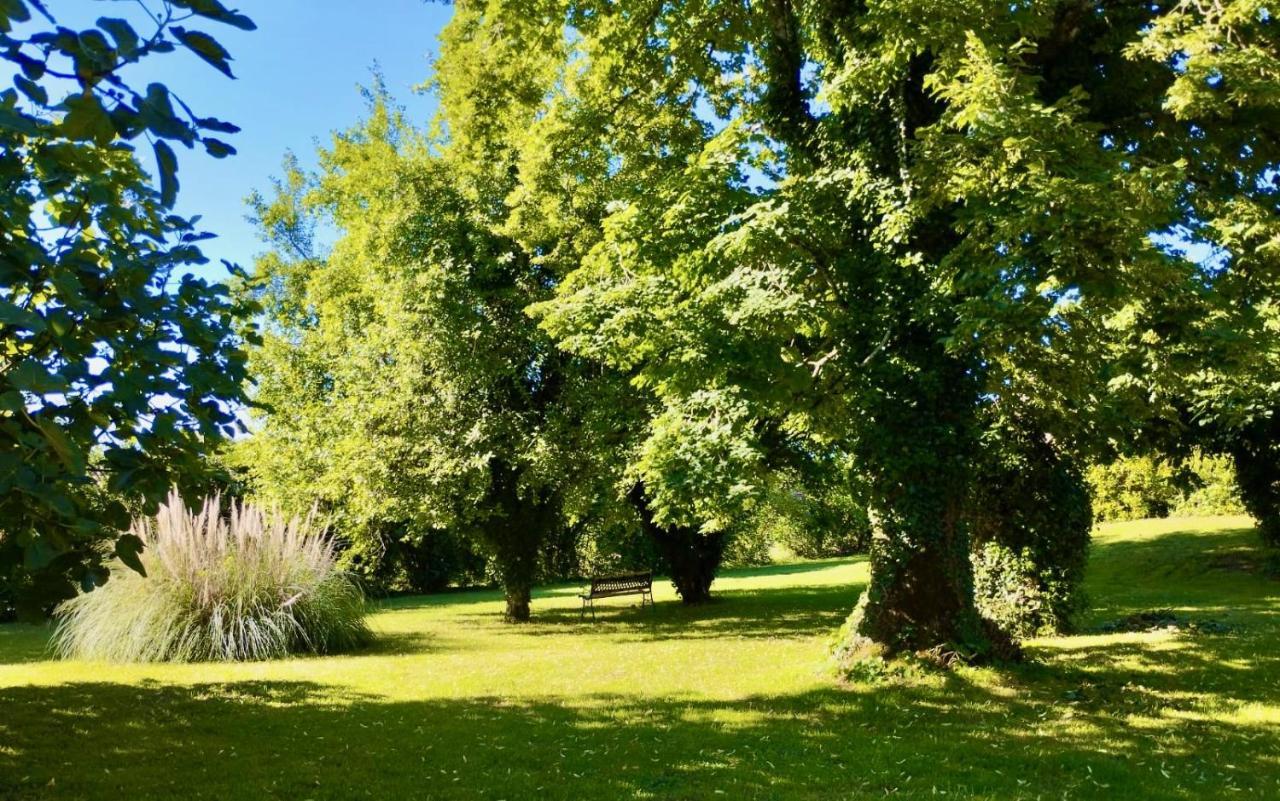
(296, 81)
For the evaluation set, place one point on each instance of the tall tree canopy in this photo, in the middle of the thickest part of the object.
(883, 225)
(1207, 350)
(118, 367)
(945, 242)
(404, 380)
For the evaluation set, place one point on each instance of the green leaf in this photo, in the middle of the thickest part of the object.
(11, 314)
(122, 32)
(70, 455)
(12, 10)
(13, 120)
(40, 553)
(32, 68)
(32, 90)
(127, 549)
(61, 321)
(86, 119)
(217, 148)
(206, 47)
(155, 111)
(95, 57)
(168, 164)
(214, 10)
(94, 577)
(12, 402)
(215, 124)
(30, 376)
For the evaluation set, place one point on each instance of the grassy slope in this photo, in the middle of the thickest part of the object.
(729, 701)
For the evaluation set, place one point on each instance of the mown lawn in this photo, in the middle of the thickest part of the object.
(731, 701)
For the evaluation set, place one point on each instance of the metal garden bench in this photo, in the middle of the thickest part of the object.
(610, 586)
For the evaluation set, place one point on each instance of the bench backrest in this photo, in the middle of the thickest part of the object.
(632, 582)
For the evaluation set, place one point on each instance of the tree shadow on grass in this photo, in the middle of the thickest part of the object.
(570, 589)
(1242, 666)
(764, 613)
(21, 643)
(276, 739)
(1170, 554)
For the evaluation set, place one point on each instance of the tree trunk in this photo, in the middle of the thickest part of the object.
(1256, 455)
(920, 594)
(691, 556)
(513, 533)
(693, 559)
(517, 602)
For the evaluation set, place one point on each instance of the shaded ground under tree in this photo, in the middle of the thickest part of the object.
(680, 702)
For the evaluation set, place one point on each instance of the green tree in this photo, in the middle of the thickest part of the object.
(1206, 351)
(1255, 450)
(118, 368)
(879, 221)
(404, 384)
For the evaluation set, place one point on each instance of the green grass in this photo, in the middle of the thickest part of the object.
(733, 700)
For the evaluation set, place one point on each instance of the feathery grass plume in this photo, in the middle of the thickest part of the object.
(249, 585)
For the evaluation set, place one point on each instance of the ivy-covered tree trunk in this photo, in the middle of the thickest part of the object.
(1256, 454)
(920, 595)
(692, 557)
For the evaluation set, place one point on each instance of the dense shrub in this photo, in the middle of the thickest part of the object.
(748, 546)
(248, 584)
(559, 560)
(396, 557)
(1256, 458)
(1132, 488)
(1209, 487)
(617, 546)
(1136, 487)
(1030, 521)
(1023, 598)
(819, 519)
(437, 560)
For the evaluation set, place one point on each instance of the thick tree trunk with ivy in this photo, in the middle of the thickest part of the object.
(1256, 455)
(692, 557)
(920, 595)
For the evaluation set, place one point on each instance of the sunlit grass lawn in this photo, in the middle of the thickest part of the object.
(733, 700)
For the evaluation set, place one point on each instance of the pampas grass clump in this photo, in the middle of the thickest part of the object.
(249, 585)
